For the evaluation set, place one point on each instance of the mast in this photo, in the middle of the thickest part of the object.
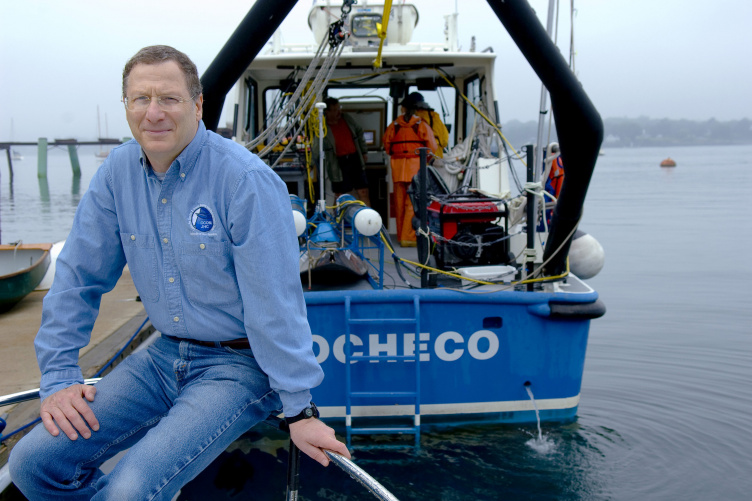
(578, 124)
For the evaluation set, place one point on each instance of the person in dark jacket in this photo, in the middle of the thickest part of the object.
(345, 152)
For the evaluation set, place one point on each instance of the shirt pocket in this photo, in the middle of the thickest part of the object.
(142, 263)
(208, 273)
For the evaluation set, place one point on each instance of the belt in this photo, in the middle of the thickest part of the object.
(238, 344)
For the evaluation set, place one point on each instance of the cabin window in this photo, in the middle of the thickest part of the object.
(275, 100)
(364, 25)
(442, 101)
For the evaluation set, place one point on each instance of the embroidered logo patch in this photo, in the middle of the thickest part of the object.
(202, 218)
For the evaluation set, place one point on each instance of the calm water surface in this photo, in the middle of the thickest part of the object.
(667, 392)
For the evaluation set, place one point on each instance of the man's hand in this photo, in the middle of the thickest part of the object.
(312, 435)
(68, 408)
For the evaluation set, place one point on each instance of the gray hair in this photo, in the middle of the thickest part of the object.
(156, 54)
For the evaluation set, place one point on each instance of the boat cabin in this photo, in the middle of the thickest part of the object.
(453, 83)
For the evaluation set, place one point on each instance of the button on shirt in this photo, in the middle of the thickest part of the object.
(212, 252)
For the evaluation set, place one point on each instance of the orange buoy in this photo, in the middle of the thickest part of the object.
(669, 162)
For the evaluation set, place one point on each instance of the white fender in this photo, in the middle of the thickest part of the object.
(586, 256)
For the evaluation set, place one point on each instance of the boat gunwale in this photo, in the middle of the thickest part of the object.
(328, 297)
(43, 247)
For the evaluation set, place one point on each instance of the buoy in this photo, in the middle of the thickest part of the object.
(669, 162)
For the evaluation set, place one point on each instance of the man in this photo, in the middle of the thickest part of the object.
(206, 230)
(401, 140)
(345, 152)
(425, 112)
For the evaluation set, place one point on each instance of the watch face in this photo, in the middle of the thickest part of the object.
(309, 412)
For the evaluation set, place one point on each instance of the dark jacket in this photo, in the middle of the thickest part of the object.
(333, 170)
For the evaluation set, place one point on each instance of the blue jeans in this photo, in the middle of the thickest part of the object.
(176, 405)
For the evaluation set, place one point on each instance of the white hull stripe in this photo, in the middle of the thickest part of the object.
(446, 409)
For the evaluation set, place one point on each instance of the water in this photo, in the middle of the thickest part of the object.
(41, 210)
(667, 391)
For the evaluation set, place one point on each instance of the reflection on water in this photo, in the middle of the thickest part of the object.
(44, 192)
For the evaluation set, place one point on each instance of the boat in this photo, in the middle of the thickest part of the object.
(22, 268)
(483, 322)
(668, 162)
(486, 320)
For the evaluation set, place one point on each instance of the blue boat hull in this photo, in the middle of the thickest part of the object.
(478, 352)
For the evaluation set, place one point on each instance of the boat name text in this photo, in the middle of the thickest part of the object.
(448, 346)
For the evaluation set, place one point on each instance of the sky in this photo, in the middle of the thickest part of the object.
(60, 60)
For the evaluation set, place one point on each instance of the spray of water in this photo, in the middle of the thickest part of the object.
(540, 444)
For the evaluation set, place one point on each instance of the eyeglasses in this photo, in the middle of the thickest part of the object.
(165, 103)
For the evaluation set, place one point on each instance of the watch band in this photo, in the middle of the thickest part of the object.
(307, 413)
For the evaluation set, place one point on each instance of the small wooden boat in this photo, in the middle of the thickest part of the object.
(668, 162)
(22, 267)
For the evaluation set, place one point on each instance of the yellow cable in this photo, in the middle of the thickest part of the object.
(482, 282)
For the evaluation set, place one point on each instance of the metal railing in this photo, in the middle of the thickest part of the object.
(355, 472)
(24, 396)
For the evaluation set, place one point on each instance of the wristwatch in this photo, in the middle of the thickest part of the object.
(307, 413)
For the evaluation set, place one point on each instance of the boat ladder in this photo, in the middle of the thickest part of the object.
(400, 396)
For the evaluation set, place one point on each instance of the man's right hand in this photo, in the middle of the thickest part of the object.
(69, 410)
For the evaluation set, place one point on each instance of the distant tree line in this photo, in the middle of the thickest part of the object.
(644, 131)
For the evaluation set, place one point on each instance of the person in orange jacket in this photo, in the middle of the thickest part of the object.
(424, 111)
(401, 141)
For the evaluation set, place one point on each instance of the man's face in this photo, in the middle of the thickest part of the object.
(333, 113)
(162, 135)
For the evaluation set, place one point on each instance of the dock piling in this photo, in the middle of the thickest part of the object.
(75, 164)
(42, 157)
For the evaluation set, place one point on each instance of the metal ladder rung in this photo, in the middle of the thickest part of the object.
(367, 321)
(391, 430)
(377, 394)
(414, 395)
(382, 357)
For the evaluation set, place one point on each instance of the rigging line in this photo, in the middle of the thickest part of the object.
(556, 43)
(571, 35)
(291, 103)
(313, 94)
(493, 125)
(515, 176)
(554, 253)
(302, 121)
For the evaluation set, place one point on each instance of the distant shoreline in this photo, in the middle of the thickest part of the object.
(647, 132)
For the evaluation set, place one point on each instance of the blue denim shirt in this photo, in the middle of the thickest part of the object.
(213, 254)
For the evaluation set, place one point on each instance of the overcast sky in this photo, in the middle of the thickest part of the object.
(690, 59)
